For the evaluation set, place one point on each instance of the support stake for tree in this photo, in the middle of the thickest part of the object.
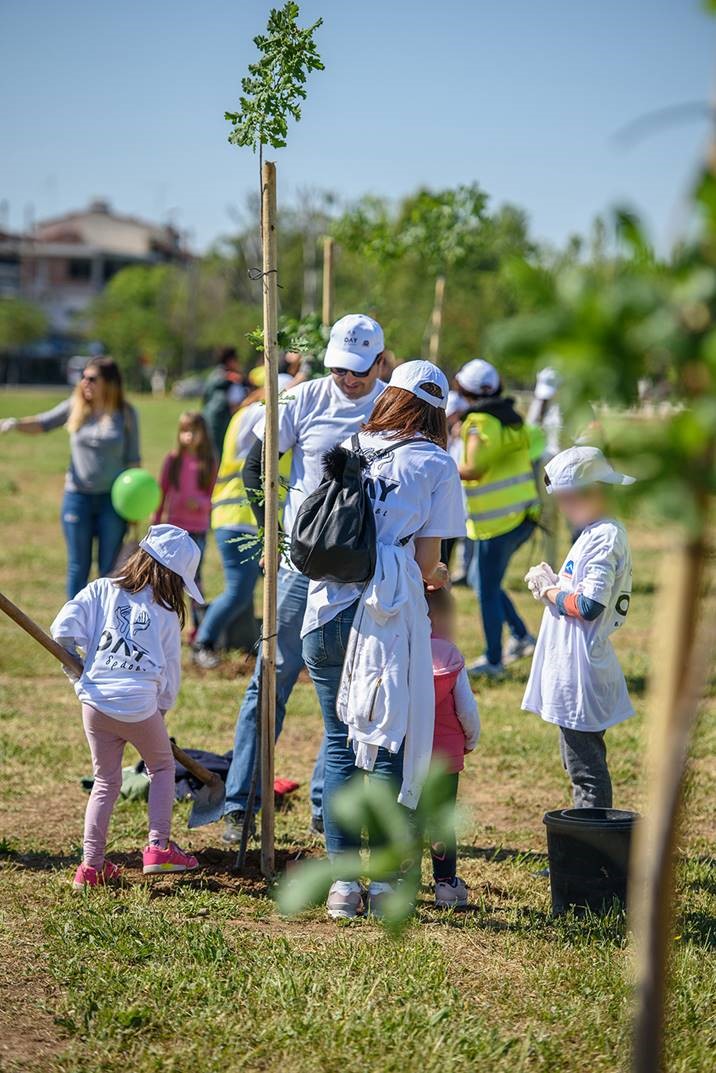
(327, 304)
(436, 319)
(271, 488)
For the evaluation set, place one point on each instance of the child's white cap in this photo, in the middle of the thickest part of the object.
(478, 377)
(548, 381)
(356, 341)
(174, 548)
(580, 467)
(410, 375)
(456, 404)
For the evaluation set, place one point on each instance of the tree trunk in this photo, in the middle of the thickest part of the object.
(271, 489)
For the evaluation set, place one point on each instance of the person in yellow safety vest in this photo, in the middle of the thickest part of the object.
(502, 506)
(234, 525)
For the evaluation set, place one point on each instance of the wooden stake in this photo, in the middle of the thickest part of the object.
(680, 659)
(436, 320)
(271, 489)
(327, 305)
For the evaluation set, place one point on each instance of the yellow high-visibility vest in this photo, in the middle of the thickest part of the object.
(229, 502)
(507, 491)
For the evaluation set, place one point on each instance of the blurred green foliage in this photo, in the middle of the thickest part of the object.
(21, 323)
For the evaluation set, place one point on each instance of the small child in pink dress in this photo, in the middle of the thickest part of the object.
(457, 729)
(187, 480)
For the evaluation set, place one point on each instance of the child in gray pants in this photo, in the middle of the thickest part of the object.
(575, 680)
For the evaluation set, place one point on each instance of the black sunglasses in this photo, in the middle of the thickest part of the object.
(340, 373)
(90, 379)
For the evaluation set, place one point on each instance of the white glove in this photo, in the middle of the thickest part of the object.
(7, 424)
(70, 644)
(540, 578)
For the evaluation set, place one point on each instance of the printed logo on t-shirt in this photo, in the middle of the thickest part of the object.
(622, 605)
(120, 650)
(568, 568)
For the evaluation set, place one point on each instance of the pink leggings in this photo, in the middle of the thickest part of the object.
(107, 738)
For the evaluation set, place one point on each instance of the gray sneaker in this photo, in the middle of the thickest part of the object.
(481, 668)
(234, 826)
(345, 900)
(450, 893)
(316, 830)
(520, 648)
(206, 658)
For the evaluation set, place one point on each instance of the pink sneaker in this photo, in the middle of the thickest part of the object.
(171, 859)
(87, 876)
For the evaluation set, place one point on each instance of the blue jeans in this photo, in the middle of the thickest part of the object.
(324, 651)
(87, 516)
(487, 571)
(197, 609)
(241, 572)
(292, 595)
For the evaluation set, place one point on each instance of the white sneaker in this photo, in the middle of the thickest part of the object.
(482, 668)
(345, 900)
(520, 648)
(450, 893)
(206, 658)
(378, 894)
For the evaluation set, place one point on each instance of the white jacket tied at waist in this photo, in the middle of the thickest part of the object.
(386, 695)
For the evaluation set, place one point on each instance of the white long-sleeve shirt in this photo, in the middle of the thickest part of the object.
(132, 649)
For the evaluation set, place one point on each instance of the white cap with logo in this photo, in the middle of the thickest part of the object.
(548, 381)
(580, 467)
(478, 377)
(174, 548)
(356, 341)
(411, 375)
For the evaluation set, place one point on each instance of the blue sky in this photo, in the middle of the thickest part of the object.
(126, 101)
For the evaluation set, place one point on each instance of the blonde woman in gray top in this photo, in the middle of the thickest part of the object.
(104, 441)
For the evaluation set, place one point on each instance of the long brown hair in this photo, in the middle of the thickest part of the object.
(113, 393)
(141, 570)
(203, 449)
(399, 415)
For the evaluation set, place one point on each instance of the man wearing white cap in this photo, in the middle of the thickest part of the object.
(576, 681)
(502, 505)
(313, 417)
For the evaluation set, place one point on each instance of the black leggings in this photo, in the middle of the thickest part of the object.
(444, 853)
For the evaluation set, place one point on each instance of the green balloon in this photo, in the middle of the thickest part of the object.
(135, 495)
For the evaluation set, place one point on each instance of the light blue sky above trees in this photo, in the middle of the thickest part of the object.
(126, 101)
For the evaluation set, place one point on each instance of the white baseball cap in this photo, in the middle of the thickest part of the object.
(411, 375)
(174, 548)
(580, 467)
(548, 381)
(356, 341)
(456, 404)
(478, 377)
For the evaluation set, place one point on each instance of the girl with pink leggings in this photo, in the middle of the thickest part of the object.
(127, 630)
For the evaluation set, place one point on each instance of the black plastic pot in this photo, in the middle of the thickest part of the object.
(588, 851)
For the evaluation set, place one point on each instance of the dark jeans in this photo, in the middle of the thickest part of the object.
(324, 651)
(86, 517)
(292, 593)
(444, 851)
(487, 572)
(584, 756)
(241, 572)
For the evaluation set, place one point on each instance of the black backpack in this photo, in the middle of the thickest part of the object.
(334, 536)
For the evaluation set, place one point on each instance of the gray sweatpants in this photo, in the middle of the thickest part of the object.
(584, 755)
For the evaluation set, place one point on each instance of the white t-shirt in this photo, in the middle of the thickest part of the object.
(312, 418)
(576, 680)
(416, 492)
(132, 650)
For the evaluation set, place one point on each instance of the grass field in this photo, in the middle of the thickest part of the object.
(202, 974)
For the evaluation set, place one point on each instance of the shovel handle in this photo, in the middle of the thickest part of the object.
(209, 778)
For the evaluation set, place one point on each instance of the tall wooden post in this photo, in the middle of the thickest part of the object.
(436, 319)
(271, 488)
(327, 304)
